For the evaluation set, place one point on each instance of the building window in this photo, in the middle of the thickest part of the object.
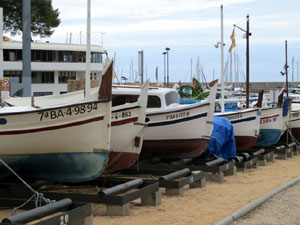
(64, 76)
(17, 74)
(6, 55)
(42, 77)
(52, 56)
(12, 55)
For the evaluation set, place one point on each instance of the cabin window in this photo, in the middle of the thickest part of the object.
(122, 99)
(153, 102)
(172, 97)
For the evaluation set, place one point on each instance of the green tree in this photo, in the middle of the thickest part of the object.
(43, 17)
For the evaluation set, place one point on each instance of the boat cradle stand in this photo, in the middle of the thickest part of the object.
(69, 213)
(213, 172)
(266, 157)
(250, 163)
(172, 179)
(115, 193)
(283, 151)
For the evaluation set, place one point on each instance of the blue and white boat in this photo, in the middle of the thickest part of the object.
(273, 123)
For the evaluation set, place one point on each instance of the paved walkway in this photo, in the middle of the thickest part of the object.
(281, 209)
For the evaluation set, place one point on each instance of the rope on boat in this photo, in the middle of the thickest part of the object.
(292, 136)
(38, 197)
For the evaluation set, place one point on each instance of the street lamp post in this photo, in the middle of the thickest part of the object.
(164, 53)
(168, 49)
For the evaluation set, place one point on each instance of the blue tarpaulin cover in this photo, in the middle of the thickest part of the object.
(286, 103)
(222, 143)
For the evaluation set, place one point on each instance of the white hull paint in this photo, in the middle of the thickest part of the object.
(246, 125)
(69, 136)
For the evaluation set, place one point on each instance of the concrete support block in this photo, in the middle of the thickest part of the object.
(216, 177)
(255, 165)
(262, 162)
(88, 220)
(281, 156)
(290, 154)
(118, 210)
(199, 183)
(153, 199)
(174, 191)
(270, 159)
(230, 172)
(295, 152)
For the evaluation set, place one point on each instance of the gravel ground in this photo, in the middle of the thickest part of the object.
(283, 208)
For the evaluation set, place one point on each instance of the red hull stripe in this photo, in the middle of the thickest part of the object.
(269, 117)
(121, 122)
(79, 123)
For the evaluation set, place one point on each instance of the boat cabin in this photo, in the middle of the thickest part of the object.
(158, 98)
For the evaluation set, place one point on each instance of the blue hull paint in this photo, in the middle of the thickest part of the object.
(65, 167)
(268, 137)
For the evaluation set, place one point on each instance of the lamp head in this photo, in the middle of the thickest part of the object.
(168, 49)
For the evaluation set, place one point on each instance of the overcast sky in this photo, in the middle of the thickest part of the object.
(190, 28)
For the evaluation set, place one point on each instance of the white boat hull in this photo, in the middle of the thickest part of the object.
(246, 125)
(69, 136)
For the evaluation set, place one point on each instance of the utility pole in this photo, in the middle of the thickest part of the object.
(286, 70)
(168, 49)
(26, 62)
(164, 54)
(141, 65)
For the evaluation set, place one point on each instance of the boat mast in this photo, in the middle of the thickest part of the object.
(247, 64)
(222, 62)
(88, 52)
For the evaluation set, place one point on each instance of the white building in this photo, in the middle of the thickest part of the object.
(52, 64)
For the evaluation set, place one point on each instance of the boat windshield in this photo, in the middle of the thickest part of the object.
(172, 97)
(153, 101)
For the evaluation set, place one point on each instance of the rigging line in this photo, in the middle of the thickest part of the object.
(187, 73)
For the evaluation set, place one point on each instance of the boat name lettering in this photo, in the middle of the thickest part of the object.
(59, 113)
(177, 115)
(234, 117)
(268, 120)
(121, 115)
